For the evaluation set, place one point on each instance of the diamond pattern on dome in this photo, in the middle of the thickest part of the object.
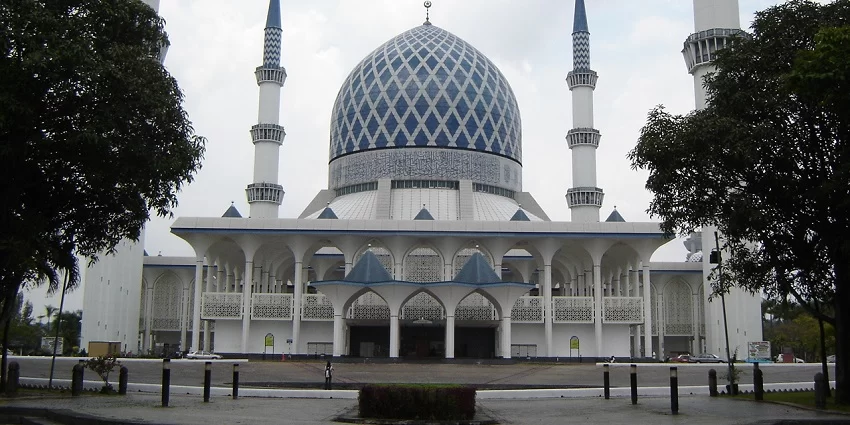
(426, 87)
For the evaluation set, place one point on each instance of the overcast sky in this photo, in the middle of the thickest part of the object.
(216, 44)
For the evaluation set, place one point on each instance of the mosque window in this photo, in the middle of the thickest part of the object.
(362, 187)
(507, 193)
(425, 184)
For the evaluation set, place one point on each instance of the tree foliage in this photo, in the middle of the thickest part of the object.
(768, 162)
(93, 134)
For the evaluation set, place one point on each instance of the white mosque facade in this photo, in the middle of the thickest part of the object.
(424, 244)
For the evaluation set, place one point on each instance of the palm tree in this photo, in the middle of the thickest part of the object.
(49, 309)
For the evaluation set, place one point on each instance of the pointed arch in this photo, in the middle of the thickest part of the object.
(477, 306)
(423, 263)
(678, 308)
(367, 305)
(167, 302)
(422, 305)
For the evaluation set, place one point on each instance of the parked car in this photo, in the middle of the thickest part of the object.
(706, 358)
(681, 358)
(781, 359)
(202, 355)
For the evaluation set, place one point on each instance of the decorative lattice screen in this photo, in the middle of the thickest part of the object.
(678, 310)
(316, 307)
(142, 305)
(219, 305)
(422, 306)
(475, 307)
(622, 309)
(423, 265)
(271, 306)
(369, 306)
(527, 309)
(572, 309)
(167, 303)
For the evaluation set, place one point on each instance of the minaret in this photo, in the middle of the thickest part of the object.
(265, 194)
(584, 198)
(715, 22)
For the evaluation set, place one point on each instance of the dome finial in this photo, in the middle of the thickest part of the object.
(427, 5)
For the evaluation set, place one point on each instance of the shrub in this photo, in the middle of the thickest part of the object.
(428, 402)
(103, 365)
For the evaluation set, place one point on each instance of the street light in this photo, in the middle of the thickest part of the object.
(716, 258)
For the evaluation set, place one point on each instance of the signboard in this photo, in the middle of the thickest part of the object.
(47, 345)
(269, 340)
(758, 351)
(574, 343)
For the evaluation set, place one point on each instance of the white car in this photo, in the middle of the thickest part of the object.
(202, 355)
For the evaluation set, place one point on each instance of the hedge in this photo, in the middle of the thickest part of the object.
(428, 402)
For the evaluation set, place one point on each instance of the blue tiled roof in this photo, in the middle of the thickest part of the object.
(520, 215)
(273, 18)
(327, 214)
(368, 270)
(426, 88)
(423, 214)
(477, 271)
(231, 212)
(580, 18)
(615, 217)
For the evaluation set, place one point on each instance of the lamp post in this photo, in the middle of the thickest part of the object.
(715, 258)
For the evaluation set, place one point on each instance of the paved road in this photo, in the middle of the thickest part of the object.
(300, 374)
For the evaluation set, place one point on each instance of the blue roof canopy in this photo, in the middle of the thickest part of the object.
(368, 270)
(615, 217)
(424, 214)
(327, 214)
(477, 271)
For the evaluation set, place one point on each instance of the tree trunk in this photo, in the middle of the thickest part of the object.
(824, 367)
(5, 358)
(842, 330)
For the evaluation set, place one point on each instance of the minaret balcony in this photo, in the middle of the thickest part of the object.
(268, 133)
(702, 47)
(582, 78)
(270, 75)
(265, 192)
(585, 196)
(583, 137)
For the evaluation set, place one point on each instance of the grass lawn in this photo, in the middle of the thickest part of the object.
(804, 398)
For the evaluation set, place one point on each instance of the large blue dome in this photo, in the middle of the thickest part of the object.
(426, 88)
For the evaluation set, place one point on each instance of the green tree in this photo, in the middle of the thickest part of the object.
(69, 330)
(93, 135)
(768, 163)
(24, 333)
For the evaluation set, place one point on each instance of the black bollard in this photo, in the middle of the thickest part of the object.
(166, 381)
(77, 379)
(122, 380)
(13, 380)
(606, 381)
(712, 383)
(633, 379)
(235, 381)
(758, 382)
(820, 391)
(674, 390)
(207, 381)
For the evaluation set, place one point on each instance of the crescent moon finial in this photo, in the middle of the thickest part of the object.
(427, 5)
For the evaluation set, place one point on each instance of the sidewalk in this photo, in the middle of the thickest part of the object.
(190, 410)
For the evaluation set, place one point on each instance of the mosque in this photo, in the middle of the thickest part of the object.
(424, 243)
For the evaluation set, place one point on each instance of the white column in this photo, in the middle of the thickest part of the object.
(695, 348)
(661, 323)
(394, 335)
(597, 307)
(547, 309)
(148, 318)
(647, 312)
(450, 336)
(210, 273)
(184, 317)
(220, 278)
(338, 333)
(506, 337)
(247, 280)
(296, 311)
(627, 284)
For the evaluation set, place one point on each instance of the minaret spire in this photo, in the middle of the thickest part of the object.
(584, 198)
(265, 194)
